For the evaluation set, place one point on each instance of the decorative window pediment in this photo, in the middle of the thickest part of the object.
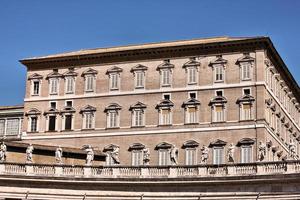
(35, 76)
(245, 58)
(88, 108)
(218, 100)
(54, 74)
(113, 106)
(278, 114)
(89, 71)
(246, 141)
(165, 103)
(139, 67)
(191, 102)
(33, 111)
(165, 65)
(218, 61)
(246, 98)
(70, 72)
(163, 145)
(138, 105)
(191, 63)
(68, 109)
(190, 144)
(217, 142)
(110, 147)
(51, 111)
(114, 69)
(136, 146)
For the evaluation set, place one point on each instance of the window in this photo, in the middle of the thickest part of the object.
(246, 68)
(53, 104)
(246, 154)
(2, 127)
(88, 114)
(190, 156)
(165, 112)
(166, 77)
(164, 157)
(219, 113)
(89, 83)
(165, 117)
(165, 71)
(218, 155)
(167, 96)
(33, 124)
(139, 79)
(36, 88)
(191, 115)
(52, 122)
(112, 119)
(70, 82)
(68, 122)
(219, 73)
(89, 119)
(53, 86)
(12, 126)
(138, 116)
(192, 95)
(246, 112)
(245, 103)
(219, 93)
(69, 103)
(191, 110)
(137, 157)
(246, 91)
(192, 75)
(114, 81)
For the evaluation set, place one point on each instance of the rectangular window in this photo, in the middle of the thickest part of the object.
(191, 115)
(52, 122)
(139, 79)
(2, 127)
(53, 86)
(219, 73)
(114, 81)
(36, 88)
(165, 117)
(163, 157)
(113, 120)
(246, 67)
(219, 113)
(138, 118)
(218, 155)
(53, 104)
(190, 157)
(246, 154)
(89, 83)
(12, 126)
(165, 77)
(246, 112)
(137, 157)
(33, 125)
(68, 122)
(70, 85)
(192, 75)
(89, 119)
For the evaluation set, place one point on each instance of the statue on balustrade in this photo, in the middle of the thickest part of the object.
(115, 155)
(146, 157)
(89, 155)
(204, 154)
(262, 151)
(230, 153)
(58, 155)
(29, 152)
(3, 150)
(174, 155)
(292, 148)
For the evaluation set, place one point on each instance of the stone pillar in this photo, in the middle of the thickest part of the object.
(231, 170)
(29, 169)
(202, 171)
(2, 168)
(173, 172)
(115, 172)
(58, 170)
(145, 172)
(87, 171)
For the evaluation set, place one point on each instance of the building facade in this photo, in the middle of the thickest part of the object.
(213, 101)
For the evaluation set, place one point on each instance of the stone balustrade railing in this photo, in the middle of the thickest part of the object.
(259, 168)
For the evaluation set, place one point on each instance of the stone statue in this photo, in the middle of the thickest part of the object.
(58, 155)
(230, 153)
(174, 155)
(146, 156)
(115, 155)
(89, 155)
(261, 151)
(204, 154)
(29, 151)
(292, 148)
(3, 150)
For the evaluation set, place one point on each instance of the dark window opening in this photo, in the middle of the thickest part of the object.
(219, 93)
(53, 105)
(193, 95)
(246, 91)
(167, 96)
(68, 122)
(69, 104)
(52, 120)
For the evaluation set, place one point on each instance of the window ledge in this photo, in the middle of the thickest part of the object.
(88, 129)
(220, 122)
(195, 123)
(164, 125)
(108, 128)
(32, 132)
(246, 120)
(138, 126)
(70, 130)
(51, 131)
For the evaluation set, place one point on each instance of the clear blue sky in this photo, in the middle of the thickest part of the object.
(35, 28)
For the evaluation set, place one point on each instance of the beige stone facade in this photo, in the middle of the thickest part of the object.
(263, 85)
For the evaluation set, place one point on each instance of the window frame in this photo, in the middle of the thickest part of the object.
(87, 89)
(51, 83)
(215, 148)
(242, 147)
(73, 80)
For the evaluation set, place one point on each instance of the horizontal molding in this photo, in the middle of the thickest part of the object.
(85, 134)
(136, 92)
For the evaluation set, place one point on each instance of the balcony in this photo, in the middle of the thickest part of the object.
(151, 172)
